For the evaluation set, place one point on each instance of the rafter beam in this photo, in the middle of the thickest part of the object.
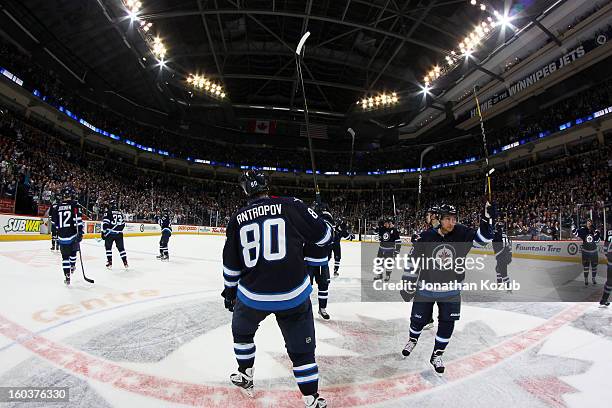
(290, 79)
(175, 14)
(547, 32)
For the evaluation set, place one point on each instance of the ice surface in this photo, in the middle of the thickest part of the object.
(157, 335)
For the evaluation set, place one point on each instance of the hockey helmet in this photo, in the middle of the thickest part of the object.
(68, 192)
(447, 209)
(254, 182)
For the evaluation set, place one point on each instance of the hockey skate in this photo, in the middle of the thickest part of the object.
(336, 273)
(244, 381)
(67, 280)
(409, 347)
(162, 257)
(604, 303)
(109, 265)
(323, 313)
(387, 277)
(436, 362)
(314, 401)
(594, 280)
(125, 265)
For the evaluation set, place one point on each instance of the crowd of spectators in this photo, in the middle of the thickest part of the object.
(39, 162)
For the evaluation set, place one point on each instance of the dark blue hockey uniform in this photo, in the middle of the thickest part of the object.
(590, 237)
(69, 226)
(263, 266)
(113, 224)
(165, 224)
(608, 285)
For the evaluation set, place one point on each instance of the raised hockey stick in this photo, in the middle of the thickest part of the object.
(298, 63)
(488, 171)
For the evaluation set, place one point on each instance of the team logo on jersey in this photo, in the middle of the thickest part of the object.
(386, 236)
(589, 238)
(444, 256)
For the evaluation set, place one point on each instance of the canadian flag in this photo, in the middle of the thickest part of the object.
(262, 126)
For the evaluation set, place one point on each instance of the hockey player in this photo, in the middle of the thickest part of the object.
(264, 273)
(590, 237)
(440, 248)
(390, 244)
(316, 258)
(69, 226)
(341, 230)
(432, 221)
(52, 212)
(113, 224)
(502, 246)
(608, 286)
(166, 232)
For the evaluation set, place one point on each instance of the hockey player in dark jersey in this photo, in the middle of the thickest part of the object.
(440, 250)
(608, 286)
(432, 220)
(52, 212)
(113, 224)
(69, 225)
(264, 273)
(502, 246)
(166, 232)
(390, 244)
(316, 258)
(590, 237)
(341, 230)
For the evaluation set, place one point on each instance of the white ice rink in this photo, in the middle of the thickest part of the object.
(157, 335)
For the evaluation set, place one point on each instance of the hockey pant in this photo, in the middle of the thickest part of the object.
(589, 259)
(320, 274)
(163, 242)
(449, 311)
(108, 245)
(68, 252)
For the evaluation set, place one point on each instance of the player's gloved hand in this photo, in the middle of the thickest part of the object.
(488, 213)
(102, 235)
(229, 298)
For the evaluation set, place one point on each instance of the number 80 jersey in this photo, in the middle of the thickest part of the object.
(263, 255)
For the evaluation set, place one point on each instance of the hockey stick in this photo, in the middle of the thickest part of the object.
(83, 268)
(394, 211)
(488, 171)
(298, 63)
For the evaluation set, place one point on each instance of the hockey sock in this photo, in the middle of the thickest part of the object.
(322, 294)
(585, 272)
(123, 256)
(306, 372)
(416, 328)
(66, 266)
(594, 271)
(444, 333)
(245, 355)
(72, 261)
(606, 292)
(109, 255)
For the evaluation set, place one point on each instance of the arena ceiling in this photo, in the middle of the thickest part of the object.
(356, 48)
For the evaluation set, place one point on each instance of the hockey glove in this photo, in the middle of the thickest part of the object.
(488, 213)
(229, 298)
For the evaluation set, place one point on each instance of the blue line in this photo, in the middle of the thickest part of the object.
(102, 311)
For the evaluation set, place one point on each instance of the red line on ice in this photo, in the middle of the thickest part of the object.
(348, 395)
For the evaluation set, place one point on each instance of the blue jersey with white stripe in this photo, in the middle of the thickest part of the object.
(433, 249)
(263, 256)
(68, 222)
(165, 223)
(113, 223)
(316, 255)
